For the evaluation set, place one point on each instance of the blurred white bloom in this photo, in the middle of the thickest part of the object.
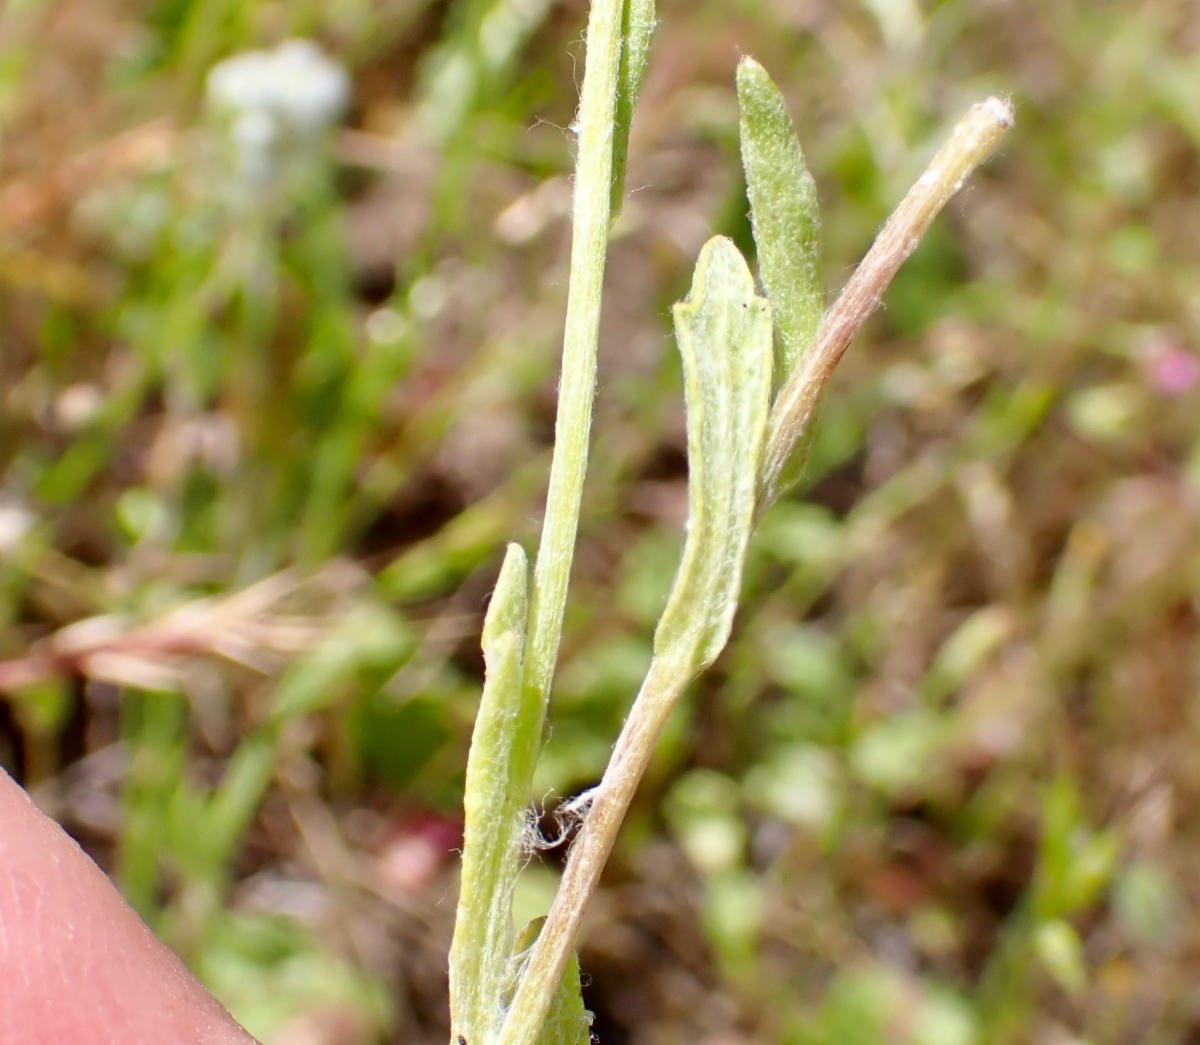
(242, 82)
(312, 89)
(293, 91)
(296, 83)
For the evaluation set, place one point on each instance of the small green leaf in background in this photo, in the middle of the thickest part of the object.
(648, 572)
(702, 810)
(494, 808)
(1076, 863)
(637, 29)
(236, 799)
(803, 535)
(732, 916)
(798, 783)
(899, 754)
(785, 215)
(568, 1022)
(271, 973)
(944, 1019)
(806, 660)
(875, 1004)
(724, 335)
(368, 638)
(1061, 953)
(395, 739)
(1147, 904)
(975, 641)
(856, 1008)
(42, 709)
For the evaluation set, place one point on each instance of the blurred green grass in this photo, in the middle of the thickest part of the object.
(266, 439)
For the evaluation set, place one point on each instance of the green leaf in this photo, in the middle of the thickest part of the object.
(1061, 952)
(368, 638)
(236, 799)
(636, 29)
(784, 213)
(494, 807)
(392, 740)
(724, 335)
(568, 1022)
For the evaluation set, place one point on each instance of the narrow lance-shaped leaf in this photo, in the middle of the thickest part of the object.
(724, 335)
(637, 27)
(784, 213)
(494, 808)
(234, 802)
(568, 1021)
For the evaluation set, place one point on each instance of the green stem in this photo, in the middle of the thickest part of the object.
(590, 223)
(593, 177)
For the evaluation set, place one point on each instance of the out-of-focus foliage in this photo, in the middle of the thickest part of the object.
(276, 380)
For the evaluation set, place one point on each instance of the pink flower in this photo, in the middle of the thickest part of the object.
(1171, 369)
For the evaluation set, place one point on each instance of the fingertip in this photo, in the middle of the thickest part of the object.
(77, 963)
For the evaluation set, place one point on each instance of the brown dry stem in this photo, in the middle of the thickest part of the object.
(974, 139)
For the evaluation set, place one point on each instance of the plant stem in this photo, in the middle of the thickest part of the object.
(975, 137)
(591, 217)
(972, 141)
(590, 221)
(662, 687)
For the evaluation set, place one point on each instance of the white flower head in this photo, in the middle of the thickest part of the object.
(311, 90)
(293, 92)
(297, 83)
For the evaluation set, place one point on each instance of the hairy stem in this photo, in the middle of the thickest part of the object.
(590, 219)
(975, 137)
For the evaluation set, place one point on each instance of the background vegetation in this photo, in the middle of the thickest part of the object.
(277, 376)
